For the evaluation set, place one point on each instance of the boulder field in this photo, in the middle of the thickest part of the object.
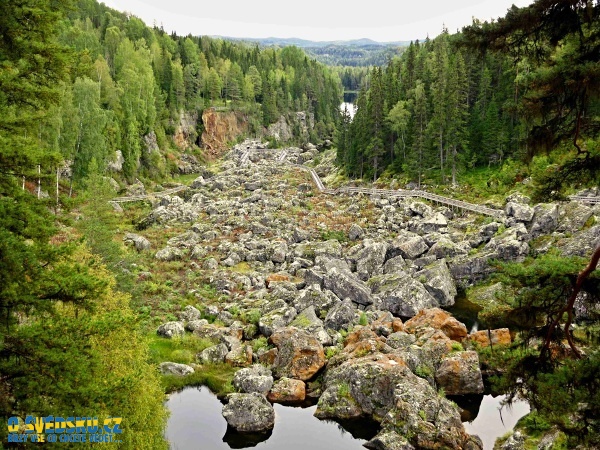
(346, 292)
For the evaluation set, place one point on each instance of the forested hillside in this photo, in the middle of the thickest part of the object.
(491, 94)
(129, 84)
(79, 82)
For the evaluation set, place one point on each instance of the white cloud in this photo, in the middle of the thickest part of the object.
(380, 20)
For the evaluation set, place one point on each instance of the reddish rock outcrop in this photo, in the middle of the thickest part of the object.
(440, 320)
(485, 338)
(299, 354)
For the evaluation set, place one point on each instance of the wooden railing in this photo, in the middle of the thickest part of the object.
(245, 159)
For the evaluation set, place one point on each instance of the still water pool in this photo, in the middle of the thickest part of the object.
(196, 423)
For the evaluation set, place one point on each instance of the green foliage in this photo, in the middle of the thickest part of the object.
(90, 360)
(330, 352)
(423, 371)
(259, 343)
(457, 347)
(363, 320)
(252, 316)
(337, 235)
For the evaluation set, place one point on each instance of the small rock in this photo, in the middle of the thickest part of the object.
(287, 390)
(139, 242)
(171, 368)
(169, 254)
(355, 232)
(171, 329)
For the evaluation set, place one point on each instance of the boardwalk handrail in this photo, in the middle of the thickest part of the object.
(584, 199)
(245, 158)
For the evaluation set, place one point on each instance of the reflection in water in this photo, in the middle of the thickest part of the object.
(488, 419)
(196, 422)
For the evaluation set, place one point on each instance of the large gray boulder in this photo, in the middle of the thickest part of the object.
(321, 301)
(382, 386)
(508, 247)
(341, 315)
(307, 319)
(520, 211)
(445, 248)
(409, 246)
(213, 355)
(189, 313)
(470, 269)
(572, 216)
(249, 413)
(171, 329)
(438, 281)
(459, 374)
(275, 319)
(545, 219)
(345, 285)
(256, 378)
(401, 295)
(370, 259)
(355, 232)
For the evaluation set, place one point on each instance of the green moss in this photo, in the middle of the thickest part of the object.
(343, 390)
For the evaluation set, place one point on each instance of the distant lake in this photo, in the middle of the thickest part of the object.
(350, 107)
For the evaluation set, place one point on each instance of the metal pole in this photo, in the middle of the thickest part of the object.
(39, 181)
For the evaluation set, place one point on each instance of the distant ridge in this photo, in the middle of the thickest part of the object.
(303, 43)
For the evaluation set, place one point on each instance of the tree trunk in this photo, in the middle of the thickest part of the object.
(568, 308)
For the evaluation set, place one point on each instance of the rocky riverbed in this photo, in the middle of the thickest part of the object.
(350, 292)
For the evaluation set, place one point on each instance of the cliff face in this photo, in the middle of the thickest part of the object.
(221, 128)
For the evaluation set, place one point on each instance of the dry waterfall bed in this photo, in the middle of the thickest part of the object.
(337, 298)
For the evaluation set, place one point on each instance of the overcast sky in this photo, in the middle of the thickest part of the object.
(319, 20)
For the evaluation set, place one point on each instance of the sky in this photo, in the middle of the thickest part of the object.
(317, 20)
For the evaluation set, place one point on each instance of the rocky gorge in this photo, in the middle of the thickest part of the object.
(347, 293)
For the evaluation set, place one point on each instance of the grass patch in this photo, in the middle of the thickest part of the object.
(180, 350)
(338, 235)
(217, 377)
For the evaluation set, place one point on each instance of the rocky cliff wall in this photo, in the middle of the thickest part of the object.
(221, 127)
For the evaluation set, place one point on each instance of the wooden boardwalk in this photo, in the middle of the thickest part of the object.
(244, 159)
